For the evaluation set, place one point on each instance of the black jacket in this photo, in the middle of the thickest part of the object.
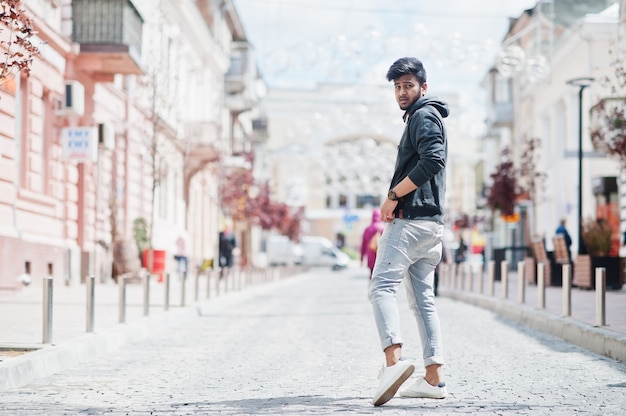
(422, 155)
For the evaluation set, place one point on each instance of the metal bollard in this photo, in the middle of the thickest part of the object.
(166, 301)
(481, 278)
(541, 287)
(454, 270)
(470, 274)
(146, 293)
(504, 271)
(91, 291)
(121, 296)
(521, 284)
(47, 310)
(183, 284)
(208, 283)
(196, 287)
(491, 276)
(600, 296)
(567, 290)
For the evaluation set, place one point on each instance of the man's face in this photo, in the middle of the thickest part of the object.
(408, 90)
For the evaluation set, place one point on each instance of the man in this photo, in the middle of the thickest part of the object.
(444, 260)
(412, 241)
(227, 244)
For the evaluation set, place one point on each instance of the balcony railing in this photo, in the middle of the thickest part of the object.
(240, 68)
(202, 133)
(240, 80)
(202, 139)
(501, 114)
(109, 34)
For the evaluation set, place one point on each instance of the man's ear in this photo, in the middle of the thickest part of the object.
(424, 88)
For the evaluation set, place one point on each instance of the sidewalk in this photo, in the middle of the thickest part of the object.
(24, 358)
(579, 328)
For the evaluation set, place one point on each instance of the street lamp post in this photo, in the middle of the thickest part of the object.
(581, 83)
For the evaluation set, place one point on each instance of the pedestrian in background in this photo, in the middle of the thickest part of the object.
(227, 244)
(444, 259)
(369, 242)
(412, 241)
(459, 253)
(181, 257)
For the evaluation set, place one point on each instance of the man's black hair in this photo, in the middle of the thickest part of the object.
(404, 66)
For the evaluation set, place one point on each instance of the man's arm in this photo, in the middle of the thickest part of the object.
(406, 186)
(427, 137)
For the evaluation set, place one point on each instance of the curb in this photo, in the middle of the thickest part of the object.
(596, 339)
(51, 359)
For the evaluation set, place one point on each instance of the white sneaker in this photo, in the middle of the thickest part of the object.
(391, 378)
(422, 389)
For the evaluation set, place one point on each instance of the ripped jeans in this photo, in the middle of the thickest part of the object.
(411, 249)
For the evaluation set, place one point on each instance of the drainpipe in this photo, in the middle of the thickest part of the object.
(18, 134)
(14, 209)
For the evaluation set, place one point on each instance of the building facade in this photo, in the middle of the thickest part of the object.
(535, 93)
(126, 115)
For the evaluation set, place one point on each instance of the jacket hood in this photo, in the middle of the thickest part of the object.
(441, 107)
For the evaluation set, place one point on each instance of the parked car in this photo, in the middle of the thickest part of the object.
(319, 251)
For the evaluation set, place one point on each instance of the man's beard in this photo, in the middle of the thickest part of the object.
(408, 105)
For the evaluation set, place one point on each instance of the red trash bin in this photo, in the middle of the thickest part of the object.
(158, 262)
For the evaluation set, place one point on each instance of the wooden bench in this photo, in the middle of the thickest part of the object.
(540, 255)
(561, 253)
(583, 273)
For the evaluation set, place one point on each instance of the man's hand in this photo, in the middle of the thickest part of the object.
(386, 211)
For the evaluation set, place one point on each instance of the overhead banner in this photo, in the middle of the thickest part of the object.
(80, 144)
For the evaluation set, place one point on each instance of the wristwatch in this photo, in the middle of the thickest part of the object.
(392, 195)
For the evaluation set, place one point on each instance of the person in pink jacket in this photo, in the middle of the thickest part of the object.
(369, 245)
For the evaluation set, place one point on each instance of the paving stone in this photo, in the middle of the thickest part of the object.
(308, 345)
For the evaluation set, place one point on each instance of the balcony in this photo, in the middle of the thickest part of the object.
(109, 34)
(240, 80)
(202, 139)
(500, 114)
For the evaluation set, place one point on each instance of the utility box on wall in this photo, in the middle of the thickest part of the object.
(73, 103)
(106, 135)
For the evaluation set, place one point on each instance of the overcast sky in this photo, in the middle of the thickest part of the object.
(300, 43)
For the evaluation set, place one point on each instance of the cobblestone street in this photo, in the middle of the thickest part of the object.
(308, 345)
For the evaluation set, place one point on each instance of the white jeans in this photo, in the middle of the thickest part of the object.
(410, 248)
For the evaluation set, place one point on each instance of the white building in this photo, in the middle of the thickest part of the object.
(532, 96)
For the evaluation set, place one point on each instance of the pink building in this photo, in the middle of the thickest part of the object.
(77, 138)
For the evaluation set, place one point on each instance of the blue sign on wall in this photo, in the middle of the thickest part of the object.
(80, 144)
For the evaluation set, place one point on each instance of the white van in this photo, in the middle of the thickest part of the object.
(281, 251)
(319, 251)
